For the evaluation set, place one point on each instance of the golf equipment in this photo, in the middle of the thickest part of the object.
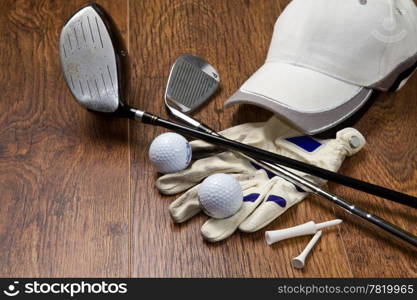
(91, 66)
(170, 153)
(93, 76)
(300, 230)
(299, 261)
(179, 111)
(220, 196)
(195, 76)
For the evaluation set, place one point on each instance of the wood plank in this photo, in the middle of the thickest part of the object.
(63, 171)
(233, 36)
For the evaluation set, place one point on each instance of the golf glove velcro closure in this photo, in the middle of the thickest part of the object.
(266, 196)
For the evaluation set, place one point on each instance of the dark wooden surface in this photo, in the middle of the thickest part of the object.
(64, 174)
(76, 190)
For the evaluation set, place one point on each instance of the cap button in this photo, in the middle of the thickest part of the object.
(354, 142)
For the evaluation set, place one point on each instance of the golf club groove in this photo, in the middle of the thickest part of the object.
(98, 90)
(99, 33)
(69, 41)
(104, 84)
(65, 52)
(89, 89)
(72, 82)
(76, 38)
(81, 87)
(82, 30)
(111, 79)
(91, 30)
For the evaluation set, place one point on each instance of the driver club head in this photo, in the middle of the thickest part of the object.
(192, 81)
(90, 61)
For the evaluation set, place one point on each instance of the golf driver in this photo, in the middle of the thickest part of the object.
(91, 67)
(194, 74)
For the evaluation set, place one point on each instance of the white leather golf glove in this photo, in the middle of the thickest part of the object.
(265, 196)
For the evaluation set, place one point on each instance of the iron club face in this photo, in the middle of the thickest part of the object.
(191, 82)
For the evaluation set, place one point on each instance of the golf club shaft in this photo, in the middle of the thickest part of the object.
(299, 181)
(263, 155)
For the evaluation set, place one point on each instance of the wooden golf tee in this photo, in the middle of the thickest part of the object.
(303, 229)
(299, 261)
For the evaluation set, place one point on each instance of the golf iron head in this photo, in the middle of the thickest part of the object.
(191, 82)
(90, 61)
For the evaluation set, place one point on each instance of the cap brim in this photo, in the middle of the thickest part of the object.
(313, 102)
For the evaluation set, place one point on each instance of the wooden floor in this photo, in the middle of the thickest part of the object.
(77, 194)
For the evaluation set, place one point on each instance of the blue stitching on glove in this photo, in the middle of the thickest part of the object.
(305, 142)
(251, 197)
(278, 200)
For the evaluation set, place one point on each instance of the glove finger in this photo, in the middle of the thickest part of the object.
(225, 162)
(215, 230)
(185, 206)
(280, 197)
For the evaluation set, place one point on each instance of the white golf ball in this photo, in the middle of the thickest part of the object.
(170, 153)
(220, 196)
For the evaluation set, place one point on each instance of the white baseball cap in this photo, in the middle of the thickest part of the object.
(327, 56)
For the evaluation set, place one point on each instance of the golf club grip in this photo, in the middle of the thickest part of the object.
(260, 154)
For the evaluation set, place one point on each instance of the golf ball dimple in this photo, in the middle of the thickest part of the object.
(220, 196)
(170, 153)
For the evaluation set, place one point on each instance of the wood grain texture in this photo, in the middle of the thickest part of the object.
(389, 159)
(63, 172)
(77, 191)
